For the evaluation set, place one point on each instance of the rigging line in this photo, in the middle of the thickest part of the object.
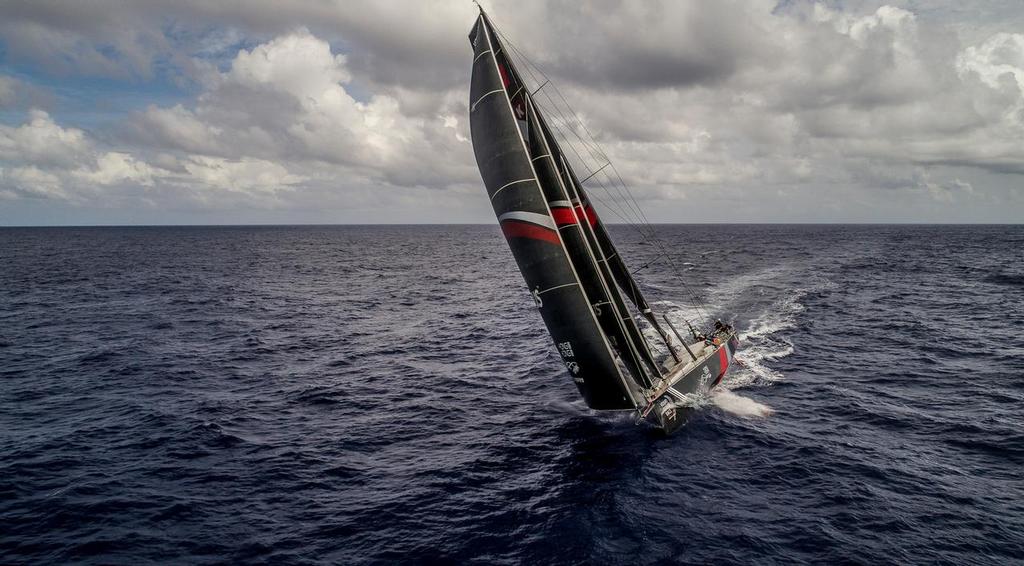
(633, 221)
(607, 163)
(646, 265)
(631, 288)
(560, 128)
(668, 254)
(591, 147)
(531, 67)
(635, 339)
(594, 149)
(635, 209)
(698, 304)
(627, 198)
(636, 226)
(621, 213)
(693, 298)
(672, 260)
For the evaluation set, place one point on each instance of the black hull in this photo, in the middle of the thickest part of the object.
(670, 410)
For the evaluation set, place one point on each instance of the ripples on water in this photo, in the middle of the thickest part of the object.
(373, 394)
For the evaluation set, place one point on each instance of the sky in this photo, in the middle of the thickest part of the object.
(318, 111)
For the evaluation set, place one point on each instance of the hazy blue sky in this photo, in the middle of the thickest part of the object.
(187, 111)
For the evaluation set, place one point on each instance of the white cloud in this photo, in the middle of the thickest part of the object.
(298, 64)
(286, 101)
(859, 106)
(41, 141)
(178, 128)
(114, 167)
(246, 175)
(33, 182)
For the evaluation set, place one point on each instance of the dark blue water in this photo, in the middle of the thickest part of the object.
(315, 395)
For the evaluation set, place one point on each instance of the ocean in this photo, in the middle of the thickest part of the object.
(388, 394)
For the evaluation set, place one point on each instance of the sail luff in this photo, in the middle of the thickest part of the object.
(526, 221)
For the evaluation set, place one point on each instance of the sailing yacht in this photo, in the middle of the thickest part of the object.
(576, 277)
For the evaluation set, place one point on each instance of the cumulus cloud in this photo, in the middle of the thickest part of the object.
(734, 110)
(46, 160)
(279, 118)
(286, 100)
(113, 167)
(40, 141)
(821, 101)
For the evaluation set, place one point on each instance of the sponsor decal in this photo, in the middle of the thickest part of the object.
(705, 378)
(565, 348)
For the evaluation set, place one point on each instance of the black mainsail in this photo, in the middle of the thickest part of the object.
(497, 119)
(577, 278)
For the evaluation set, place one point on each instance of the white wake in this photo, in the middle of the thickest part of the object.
(763, 341)
(738, 405)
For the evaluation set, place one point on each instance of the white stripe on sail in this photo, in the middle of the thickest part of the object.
(557, 287)
(506, 185)
(473, 107)
(531, 217)
(564, 203)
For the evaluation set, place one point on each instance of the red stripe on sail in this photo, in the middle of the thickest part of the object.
(588, 213)
(517, 229)
(504, 75)
(563, 216)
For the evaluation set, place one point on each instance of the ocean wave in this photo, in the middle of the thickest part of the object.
(340, 415)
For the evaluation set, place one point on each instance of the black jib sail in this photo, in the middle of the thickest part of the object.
(574, 272)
